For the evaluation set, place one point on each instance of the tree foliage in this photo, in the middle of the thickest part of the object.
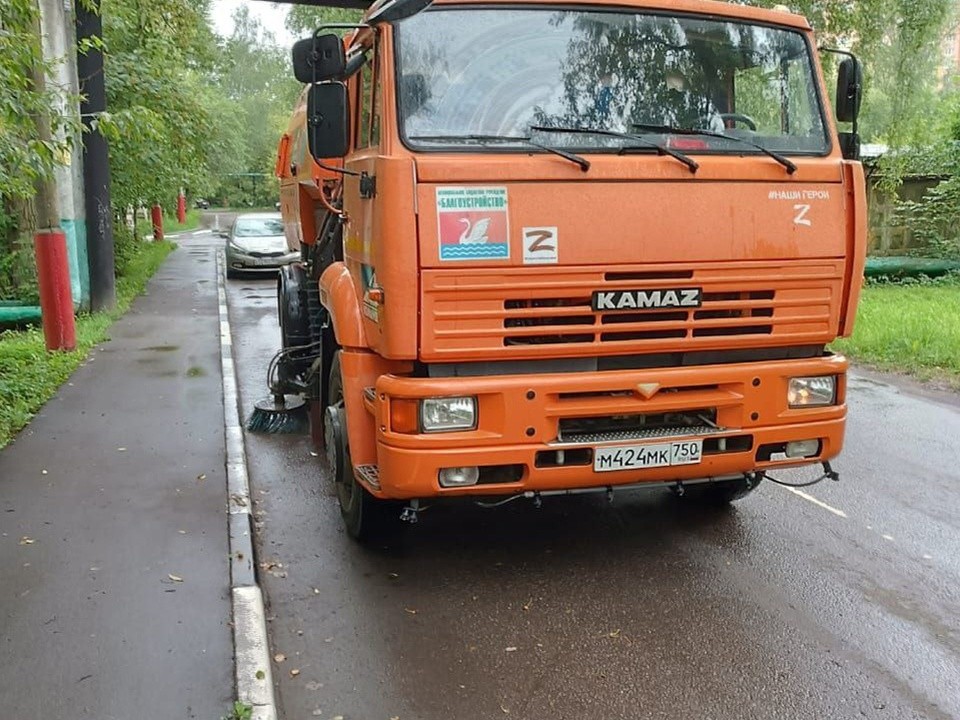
(302, 20)
(160, 109)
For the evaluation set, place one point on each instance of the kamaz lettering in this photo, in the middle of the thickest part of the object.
(647, 299)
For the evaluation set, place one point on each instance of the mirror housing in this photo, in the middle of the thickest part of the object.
(849, 90)
(393, 10)
(328, 120)
(319, 58)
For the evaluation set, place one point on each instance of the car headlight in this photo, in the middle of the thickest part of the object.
(448, 414)
(812, 391)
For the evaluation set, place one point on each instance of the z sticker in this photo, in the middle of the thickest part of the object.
(472, 223)
(540, 245)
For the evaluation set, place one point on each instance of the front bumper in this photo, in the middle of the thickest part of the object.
(238, 260)
(516, 442)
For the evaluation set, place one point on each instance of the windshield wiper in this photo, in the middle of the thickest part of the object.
(661, 149)
(484, 139)
(786, 162)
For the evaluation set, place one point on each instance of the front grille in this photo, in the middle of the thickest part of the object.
(722, 315)
(590, 438)
(612, 428)
(524, 312)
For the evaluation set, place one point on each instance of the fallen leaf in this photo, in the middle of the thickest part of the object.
(175, 578)
(505, 711)
(182, 532)
(511, 649)
(279, 657)
(410, 610)
(260, 675)
(526, 605)
(317, 713)
(201, 477)
(43, 472)
(316, 591)
(121, 449)
(27, 540)
(294, 672)
(392, 576)
(614, 634)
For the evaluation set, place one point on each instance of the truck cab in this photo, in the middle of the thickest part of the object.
(552, 249)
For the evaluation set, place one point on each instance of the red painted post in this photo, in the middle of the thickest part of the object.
(181, 208)
(156, 214)
(56, 302)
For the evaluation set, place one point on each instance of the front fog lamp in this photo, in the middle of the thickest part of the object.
(812, 391)
(459, 476)
(448, 414)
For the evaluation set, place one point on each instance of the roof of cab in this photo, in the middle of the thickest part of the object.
(700, 7)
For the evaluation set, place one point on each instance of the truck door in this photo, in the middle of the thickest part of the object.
(360, 232)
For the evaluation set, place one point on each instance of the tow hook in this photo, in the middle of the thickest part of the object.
(410, 512)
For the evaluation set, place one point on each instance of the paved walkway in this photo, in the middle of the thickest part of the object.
(114, 574)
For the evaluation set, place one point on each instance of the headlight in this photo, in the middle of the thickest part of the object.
(447, 414)
(812, 391)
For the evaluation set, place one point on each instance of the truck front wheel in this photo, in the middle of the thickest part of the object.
(719, 493)
(364, 516)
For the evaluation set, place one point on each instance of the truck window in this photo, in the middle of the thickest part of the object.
(473, 71)
(368, 104)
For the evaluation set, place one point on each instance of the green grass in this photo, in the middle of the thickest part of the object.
(29, 375)
(909, 328)
(170, 224)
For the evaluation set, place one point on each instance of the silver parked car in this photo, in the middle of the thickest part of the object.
(255, 243)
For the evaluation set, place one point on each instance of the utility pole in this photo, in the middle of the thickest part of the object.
(96, 169)
(50, 242)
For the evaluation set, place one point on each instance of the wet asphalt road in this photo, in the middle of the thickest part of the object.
(844, 603)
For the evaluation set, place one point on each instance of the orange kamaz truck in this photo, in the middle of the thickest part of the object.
(553, 248)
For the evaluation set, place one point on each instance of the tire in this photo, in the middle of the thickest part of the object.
(364, 516)
(720, 493)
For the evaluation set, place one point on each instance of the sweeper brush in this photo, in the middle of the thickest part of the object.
(281, 413)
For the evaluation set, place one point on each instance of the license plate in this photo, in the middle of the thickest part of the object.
(266, 262)
(638, 457)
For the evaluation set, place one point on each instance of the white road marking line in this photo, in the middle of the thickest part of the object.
(820, 503)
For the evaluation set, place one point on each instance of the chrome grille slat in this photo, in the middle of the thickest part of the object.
(630, 435)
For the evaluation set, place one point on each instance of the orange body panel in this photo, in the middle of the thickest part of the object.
(778, 257)
(339, 295)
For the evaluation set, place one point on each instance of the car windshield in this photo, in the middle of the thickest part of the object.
(479, 72)
(258, 227)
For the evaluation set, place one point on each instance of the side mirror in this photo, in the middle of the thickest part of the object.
(849, 90)
(328, 120)
(317, 59)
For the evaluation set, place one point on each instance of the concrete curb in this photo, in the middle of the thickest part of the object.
(251, 648)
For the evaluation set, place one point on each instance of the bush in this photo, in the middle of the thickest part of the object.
(933, 220)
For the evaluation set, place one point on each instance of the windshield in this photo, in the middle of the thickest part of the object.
(479, 72)
(258, 227)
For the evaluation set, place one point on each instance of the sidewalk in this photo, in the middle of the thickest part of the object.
(114, 567)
